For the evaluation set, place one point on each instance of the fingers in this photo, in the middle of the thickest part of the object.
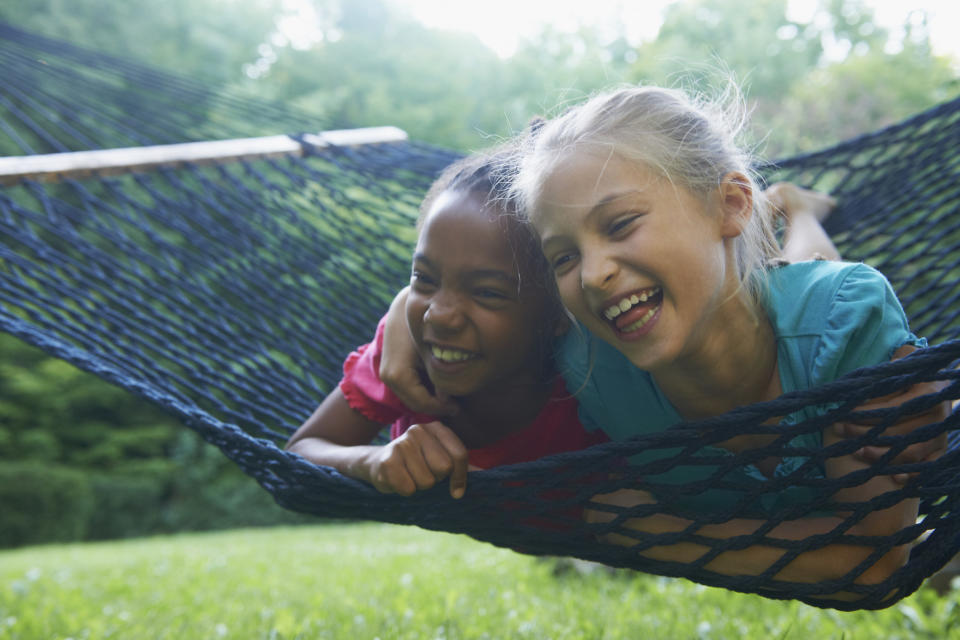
(449, 458)
(415, 395)
(918, 452)
(925, 450)
(424, 455)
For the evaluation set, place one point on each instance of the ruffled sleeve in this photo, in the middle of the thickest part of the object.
(864, 325)
(362, 387)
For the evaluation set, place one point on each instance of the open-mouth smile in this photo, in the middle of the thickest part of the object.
(451, 355)
(634, 311)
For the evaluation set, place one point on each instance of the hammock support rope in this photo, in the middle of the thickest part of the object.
(229, 294)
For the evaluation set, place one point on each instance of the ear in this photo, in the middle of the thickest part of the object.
(736, 203)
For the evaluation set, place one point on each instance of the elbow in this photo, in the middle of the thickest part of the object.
(884, 568)
(880, 591)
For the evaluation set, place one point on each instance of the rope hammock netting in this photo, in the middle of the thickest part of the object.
(230, 293)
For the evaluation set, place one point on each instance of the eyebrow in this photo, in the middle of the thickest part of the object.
(602, 202)
(495, 274)
(611, 197)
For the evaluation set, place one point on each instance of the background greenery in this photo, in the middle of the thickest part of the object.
(82, 460)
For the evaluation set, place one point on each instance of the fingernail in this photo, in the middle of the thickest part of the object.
(458, 492)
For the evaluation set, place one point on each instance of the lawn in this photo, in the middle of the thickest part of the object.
(359, 581)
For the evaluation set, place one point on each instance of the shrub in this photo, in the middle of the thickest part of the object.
(42, 503)
(39, 445)
(130, 502)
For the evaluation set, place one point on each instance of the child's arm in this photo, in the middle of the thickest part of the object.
(399, 364)
(338, 436)
(925, 450)
(828, 562)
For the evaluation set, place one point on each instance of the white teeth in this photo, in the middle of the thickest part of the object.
(449, 355)
(642, 321)
(624, 305)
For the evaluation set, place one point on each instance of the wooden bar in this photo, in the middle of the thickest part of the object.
(80, 164)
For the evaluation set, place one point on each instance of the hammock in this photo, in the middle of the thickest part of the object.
(228, 293)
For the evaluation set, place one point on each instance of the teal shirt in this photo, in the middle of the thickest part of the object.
(829, 318)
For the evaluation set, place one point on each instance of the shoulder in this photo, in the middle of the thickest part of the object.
(804, 297)
(836, 316)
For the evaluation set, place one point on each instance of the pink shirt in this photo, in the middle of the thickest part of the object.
(555, 429)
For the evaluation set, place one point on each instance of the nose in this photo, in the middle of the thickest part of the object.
(444, 313)
(598, 269)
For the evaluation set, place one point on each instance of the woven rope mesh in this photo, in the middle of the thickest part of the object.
(230, 294)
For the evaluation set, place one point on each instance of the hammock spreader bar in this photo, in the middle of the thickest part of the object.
(55, 167)
(230, 293)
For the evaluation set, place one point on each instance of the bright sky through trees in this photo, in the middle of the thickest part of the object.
(500, 24)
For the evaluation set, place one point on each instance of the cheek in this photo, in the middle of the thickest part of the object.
(569, 291)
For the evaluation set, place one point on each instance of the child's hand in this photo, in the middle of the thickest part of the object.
(424, 455)
(919, 452)
(922, 451)
(399, 365)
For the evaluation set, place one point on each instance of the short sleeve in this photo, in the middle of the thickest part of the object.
(864, 325)
(362, 387)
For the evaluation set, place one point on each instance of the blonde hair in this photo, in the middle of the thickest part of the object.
(687, 140)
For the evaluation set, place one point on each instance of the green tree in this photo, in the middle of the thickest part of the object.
(385, 68)
(205, 39)
(756, 42)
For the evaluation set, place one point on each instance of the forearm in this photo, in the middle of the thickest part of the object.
(831, 560)
(828, 562)
(350, 460)
(337, 436)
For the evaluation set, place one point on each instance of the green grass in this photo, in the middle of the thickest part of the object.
(380, 581)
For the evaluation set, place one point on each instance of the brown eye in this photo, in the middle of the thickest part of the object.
(420, 279)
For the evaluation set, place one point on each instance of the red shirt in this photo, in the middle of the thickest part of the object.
(555, 429)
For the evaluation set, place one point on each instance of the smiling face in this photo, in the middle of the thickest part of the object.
(477, 324)
(643, 263)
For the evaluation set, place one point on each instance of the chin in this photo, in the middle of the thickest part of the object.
(452, 388)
